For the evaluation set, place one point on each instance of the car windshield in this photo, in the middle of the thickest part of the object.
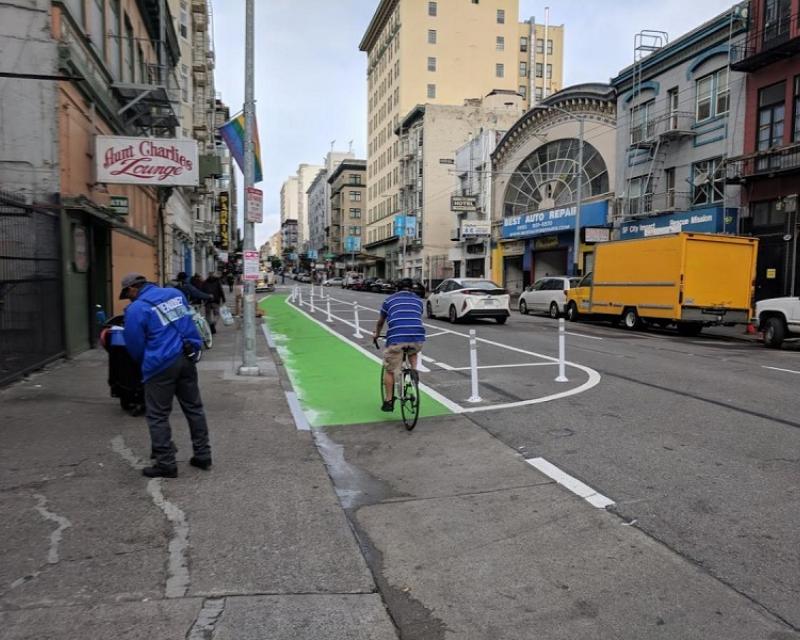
(479, 284)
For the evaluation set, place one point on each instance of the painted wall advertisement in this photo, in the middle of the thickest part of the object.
(712, 220)
(549, 221)
(163, 162)
(223, 202)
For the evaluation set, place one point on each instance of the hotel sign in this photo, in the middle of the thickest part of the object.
(463, 203)
(164, 162)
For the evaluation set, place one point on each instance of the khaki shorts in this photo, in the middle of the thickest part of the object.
(393, 354)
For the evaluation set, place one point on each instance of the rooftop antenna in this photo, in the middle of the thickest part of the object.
(350, 146)
(333, 142)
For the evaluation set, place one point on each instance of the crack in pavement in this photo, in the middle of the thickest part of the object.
(207, 618)
(178, 578)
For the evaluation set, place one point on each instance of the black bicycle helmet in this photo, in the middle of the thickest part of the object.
(405, 284)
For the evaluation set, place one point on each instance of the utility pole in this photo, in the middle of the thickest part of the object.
(249, 365)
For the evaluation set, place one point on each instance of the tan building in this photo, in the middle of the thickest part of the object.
(276, 244)
(541, 60)
(289, 197)
(348, 195)
(433, 52)
(430, 136)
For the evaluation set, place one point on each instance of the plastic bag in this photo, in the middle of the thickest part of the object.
(226, 315)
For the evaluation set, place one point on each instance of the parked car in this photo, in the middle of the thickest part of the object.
(336, 281)
(382, 286)
(304, 277)
(547, 295)
(418, 288)
(351, 280)
(364, 285)
(466, 298)
(690, 280)
(778, 320)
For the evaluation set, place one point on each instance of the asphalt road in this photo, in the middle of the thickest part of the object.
(696, 440)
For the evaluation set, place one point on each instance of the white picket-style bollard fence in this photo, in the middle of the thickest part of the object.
(328, 309)
(473, 367)
(311, 307)
(300, 296)
(562, 363)
(358, 333)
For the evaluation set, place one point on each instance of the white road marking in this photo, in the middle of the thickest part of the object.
(577, 487)
(433, 335)
(507, 366)
(300, 420)
(421, 367)
(444, 366)
(779, 369)
(583, 335)
(426, 358)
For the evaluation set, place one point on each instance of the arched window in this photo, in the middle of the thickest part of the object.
(548, 178)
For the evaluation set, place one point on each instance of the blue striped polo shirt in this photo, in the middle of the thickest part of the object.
(403, 313)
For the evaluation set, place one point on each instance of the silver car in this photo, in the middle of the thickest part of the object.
(547, 295)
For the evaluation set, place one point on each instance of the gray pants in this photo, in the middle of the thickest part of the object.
(179, 379)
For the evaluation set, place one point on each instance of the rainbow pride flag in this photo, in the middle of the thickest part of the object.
(232, 133)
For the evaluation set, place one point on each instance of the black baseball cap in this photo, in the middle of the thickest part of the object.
(128, 281)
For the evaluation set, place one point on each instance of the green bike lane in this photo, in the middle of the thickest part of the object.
(335, 382)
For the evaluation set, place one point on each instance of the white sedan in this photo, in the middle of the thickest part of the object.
(463, 298)
(336, 281)
(547, 295)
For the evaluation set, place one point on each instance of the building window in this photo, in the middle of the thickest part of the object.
(713, 95)
(642, 123)
(539, 45)
(523, 90)
(500, 43)
(130, 52)
(766, 214)
(184, 20)
(549, 70)
(432, 9)
(355, 178)
(355, 230)
(115, 40)
(97, 25)
(355, 196)
(777, 17)
(76, 8)
(431, 90)
(539, 69)
(501, 16)
(431, 36)
(523, 44)
(499, 70)
(523, 69)
(549, 47)
(708, 181)
(771, 117)
(538, 93)
(431, 64)
(355, 213)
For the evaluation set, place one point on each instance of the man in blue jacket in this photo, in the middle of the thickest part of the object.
(160, 334)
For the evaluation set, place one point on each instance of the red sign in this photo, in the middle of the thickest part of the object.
(255, 204)
(164, 162)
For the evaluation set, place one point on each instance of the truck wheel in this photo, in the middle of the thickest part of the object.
(774, 332)
(572, 312)
(554, 312)
(689, 328)
(630, 319)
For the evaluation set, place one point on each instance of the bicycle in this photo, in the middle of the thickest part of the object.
(406, 387)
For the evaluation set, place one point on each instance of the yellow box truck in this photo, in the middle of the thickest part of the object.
(690, 280)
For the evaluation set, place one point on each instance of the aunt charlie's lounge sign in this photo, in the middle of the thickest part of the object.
(148, 161)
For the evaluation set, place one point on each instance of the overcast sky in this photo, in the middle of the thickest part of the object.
(310, 78)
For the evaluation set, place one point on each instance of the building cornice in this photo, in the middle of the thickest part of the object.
(377, 24)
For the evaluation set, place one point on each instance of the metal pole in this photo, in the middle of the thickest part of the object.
(562, 363)
(576, 248)
(249, 364)
(357, 334)
(473, 367)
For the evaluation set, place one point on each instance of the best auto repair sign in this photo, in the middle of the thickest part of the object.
(162, 162)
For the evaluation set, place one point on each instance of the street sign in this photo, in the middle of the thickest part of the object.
(312, 254)
(255, 204)
(352, 244)
(463, 203)
(119, 204)
(405, 226)
(251, 266)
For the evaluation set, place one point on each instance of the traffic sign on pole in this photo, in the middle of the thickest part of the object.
(255, 204)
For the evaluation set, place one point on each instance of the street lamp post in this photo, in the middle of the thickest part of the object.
(576, 242)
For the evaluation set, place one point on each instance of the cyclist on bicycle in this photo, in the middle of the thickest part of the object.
(402, 312)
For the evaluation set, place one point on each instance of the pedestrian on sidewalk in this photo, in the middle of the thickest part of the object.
(193, 294)
(213, 287)
(161, 335)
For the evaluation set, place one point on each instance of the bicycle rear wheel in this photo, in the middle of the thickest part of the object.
(409, 400)
(383, 388)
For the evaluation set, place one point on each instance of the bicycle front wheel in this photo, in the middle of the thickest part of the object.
(383, 387)
(409, 399)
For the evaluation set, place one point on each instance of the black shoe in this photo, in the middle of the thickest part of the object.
(153, 453)
(200, 463)
(213, 328)
(157, 471)
(388, 406)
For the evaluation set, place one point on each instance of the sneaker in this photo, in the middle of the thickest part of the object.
(200, 463)
(160, 472)
(388, 406)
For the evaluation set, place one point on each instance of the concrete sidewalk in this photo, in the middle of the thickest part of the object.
(256, 548)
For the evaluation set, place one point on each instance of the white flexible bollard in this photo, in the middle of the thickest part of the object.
(562, 363)
(311, 306)
(473, 367)
(328, 309)
(358, 333)
(300, 296)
